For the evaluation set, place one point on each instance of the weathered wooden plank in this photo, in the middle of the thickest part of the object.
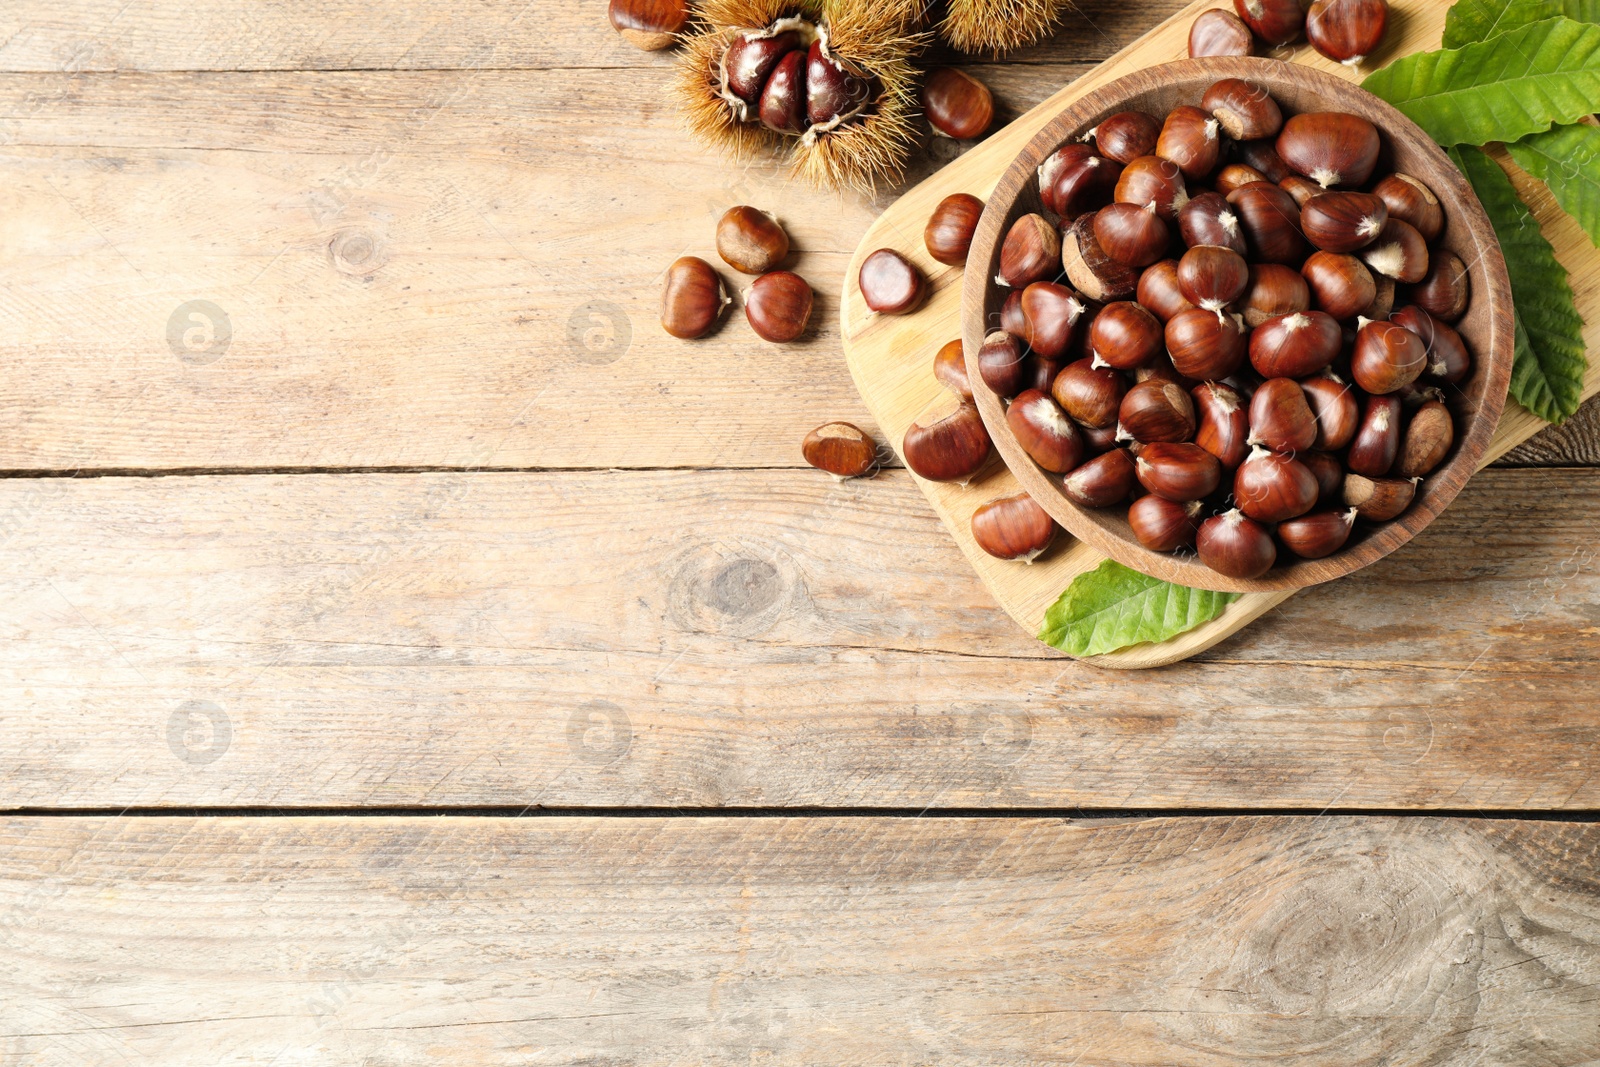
(734, 638)
(1215, 941)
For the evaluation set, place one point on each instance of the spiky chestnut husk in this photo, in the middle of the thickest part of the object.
(875, 36)
(998, 25)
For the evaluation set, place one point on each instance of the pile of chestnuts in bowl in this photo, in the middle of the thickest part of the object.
(1237, 324)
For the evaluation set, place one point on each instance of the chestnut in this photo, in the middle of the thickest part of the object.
(1273, 290)
(1386, 357)
(650, 25)
(1341, 221)
(1269, 487)
(1271, 222)
(1377, 439)
(778, 305)
(1125, 336)
(1330, 147)
(1263, 156)
(1056, 164)
(1050, 315)
(1346, 30)
(947, 442)
(1011, 314)
(692, 299)
(1399, 252)
(1329, 473)
(1235, 176)
(948, 235)
(1013, 528)
(1179, 471)
(1234, 545)
(1074, 182)
(1090, 394)
(1246, 110)
(1274, 21)
(1044, 432)
(1031, 252)
(1105, 480)
(1132, 235)
(1040, 373)
(1126, 136)
(1156, 410)
(950, 368)
(1090, 268)
(1382, 300)
(1334, 406)
(1161, 367)
(1317, 535)
(1153, 180)
(1301, 189)
(1192, 139)
(835, 88)
(751, 241)
(1000, 363)
(1281, 419)
(1219, 33)
(1409, 200)
(1099, 439)
(1207, 220)
(1163, 525)
(957, 104)
(1158, 290)
(1428, 438)
(1224, 426)
(1295, 345)
(1341, 285)
(841, 449)
(1447, 356)
(782, 107)
(1206, 345)
(1378, 499)
(890, 284)
(1212, 277)
(1445, 290)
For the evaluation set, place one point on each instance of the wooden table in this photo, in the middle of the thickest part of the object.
(440, 664)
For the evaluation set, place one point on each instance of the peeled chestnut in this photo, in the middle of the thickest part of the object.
(1346, 30)
(1235, 545)
(1206, 345)
(1273, 290)
(1271, 222)
(1329, 473)
(841, 449)
(1295, 345)
(1377, 439)
(1447, 356)
(1105, 480)
(1013, 527)
(1163, 525)
(1132, 235)
(1192, 139)
(890, 284)
(1050, 315)
(1219, 33)
(1158, 290)
(1341, 221)
(1281, 418)
(1317, 535)
(1157, 410)
(692, 299)
(1212, 277)
(1235, 176)
(1399, 252)
(1274, 21)
(1445, 290)
(1090, 394)
(1386, 357)
(1245, 110)
(1207, 220)
(1269, 487)
(1412, 202)
(950, 368)
(947, 442)
(1333, 405)
(1074, 180)
(1428, 438)
(957, 104)
(1330, 147)
(1000, 363)
(1090, 268)
(1126, 136)
(1044, 432)
(1378, 499)
(1180, 471)
(1153, 180)
(1031, 252)
(1224, 426)
(948, 235)
(650, 25)
(1341, 285)
(778, 306)
(751, 241)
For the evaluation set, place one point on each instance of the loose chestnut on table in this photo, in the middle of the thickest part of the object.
(1013, 528)
(842, 449)
(778, 306)
(957, 104)
(692, 298)
(948, 234)
(650, 25)
(750, 240)
(890, 283)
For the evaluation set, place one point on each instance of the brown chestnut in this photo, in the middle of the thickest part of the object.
(750, 59)
(1212, 277)
(947, 442)
(1099, 439)
(1013, 528)
(1074, 180)
(1274, 21)
(1263, 156)
(650, 25)
(1273, 290)
(1281, 418)
(1090, 394)
(1378, 499)
(1090, 268)
(1050, 315)
(1126, 136)
(1377, 439)
(836, 89)
(778, 306)
(1158, 290)
(1346, 30)
(1428, 438)
(1329, 473)
(841, 449)
(783, 100)
(1317, 535)
(1334, 406)
(1163, 525)
(1246, 110)
(948, 235)
(1105, 480)
(1330, 147)
(1271, 222)
(1180, 471)
(1132, 235)
(1235, 545)
(1153, 180)
(1399, 252)
(1040, 373)
(1340, 285)
(957, 104)
(890, 284)
(1192, 139)
(1011, 314)
(1125, 336)
(1447, 356)
(1269, 487)
(1235, 176)
(1031, 253)
(1341, 221)
(1386, 357)
(1044, 432)
(1412, 202)
(1206, 345)
(1000, 363)
(1301, 189)
(692, 298)
(1295, 345)
(950, 368)
(1445, 290)
(1224, 426)
(1157, 410)
(1382, 301)
(751, 241)
(1207, 220)
(1219, 33)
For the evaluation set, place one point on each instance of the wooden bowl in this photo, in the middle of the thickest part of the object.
(1487, 327)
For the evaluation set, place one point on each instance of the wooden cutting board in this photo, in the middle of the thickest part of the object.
(891, 357)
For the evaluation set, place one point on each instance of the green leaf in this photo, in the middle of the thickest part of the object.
(1479, 20)
(1112, 607)
(1567, 159)
(1547, 376)
(1501, 89)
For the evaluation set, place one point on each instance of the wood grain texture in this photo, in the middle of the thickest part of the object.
(1209, 942)
(743, 639)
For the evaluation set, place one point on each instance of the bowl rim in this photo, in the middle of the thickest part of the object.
(1486, 268)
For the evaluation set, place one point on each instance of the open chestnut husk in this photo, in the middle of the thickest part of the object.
(1163, 525)
(948, 235)
(1317, 535)
(947, 442)
(840, 448)
(1105, 480)
(1013, 528)
(1235, 545)
(1044, 432)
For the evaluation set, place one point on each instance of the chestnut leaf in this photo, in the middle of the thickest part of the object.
(1501, 89)
(1567, 159)
(1112, 607)
(1547, 375)
(1478, 20)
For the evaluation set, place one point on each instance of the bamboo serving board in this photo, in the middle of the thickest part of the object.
(891, 357)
